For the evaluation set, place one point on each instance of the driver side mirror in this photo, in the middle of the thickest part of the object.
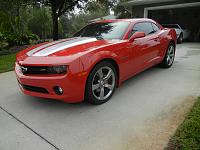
(137, 35)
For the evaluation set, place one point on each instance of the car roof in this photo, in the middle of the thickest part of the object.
(128, 20)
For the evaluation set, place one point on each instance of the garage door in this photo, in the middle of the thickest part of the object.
(187, 17)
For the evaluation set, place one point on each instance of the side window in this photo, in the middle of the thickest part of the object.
(145, 27)
(155, 27)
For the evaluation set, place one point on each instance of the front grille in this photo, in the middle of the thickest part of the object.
(34, 88)
(34, 69)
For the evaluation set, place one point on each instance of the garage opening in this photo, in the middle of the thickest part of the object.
(188, 18)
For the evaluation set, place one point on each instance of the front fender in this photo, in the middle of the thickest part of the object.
(91, 59)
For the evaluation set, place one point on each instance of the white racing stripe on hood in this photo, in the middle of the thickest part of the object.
(43, 46)
(61, 46)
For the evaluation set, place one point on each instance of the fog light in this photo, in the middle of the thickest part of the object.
(58, 90)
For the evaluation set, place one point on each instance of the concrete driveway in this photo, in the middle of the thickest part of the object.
(142, 114)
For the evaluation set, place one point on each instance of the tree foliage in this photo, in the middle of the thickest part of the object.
(92, 9)
(121, 11)
(25, 20)
(60, 7)
(13, 25)
(43, 26)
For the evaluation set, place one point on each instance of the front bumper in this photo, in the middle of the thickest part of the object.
(73, 86)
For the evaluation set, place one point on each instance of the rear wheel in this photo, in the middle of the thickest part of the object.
(101, 83)
(169, 56)
(180, 39)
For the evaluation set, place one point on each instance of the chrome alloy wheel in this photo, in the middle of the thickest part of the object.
(170, 55)
(103, 83)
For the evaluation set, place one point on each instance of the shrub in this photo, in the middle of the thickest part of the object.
(19, 38)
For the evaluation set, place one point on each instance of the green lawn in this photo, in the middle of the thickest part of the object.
(187, 136)
(7, 62)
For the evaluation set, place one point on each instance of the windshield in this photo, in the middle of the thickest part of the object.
(104, 30)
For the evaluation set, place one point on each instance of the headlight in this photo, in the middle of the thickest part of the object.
(57, 69)
(17, 66)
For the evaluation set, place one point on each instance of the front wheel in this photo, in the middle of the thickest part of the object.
(169, 56)
(101, 83)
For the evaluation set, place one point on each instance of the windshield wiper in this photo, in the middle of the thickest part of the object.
(99, 37)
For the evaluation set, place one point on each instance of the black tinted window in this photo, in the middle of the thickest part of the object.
(105, 30)
(145, 27)
(170, 26)
(155, 27)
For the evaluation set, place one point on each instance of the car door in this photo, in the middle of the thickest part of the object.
(145, 50)
(158, 36)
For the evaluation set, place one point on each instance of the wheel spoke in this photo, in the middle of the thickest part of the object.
(109, 86)
(171, 50)
(168, 59)
(100, 73)
(102, 94)
(95, 86)
(108, 75)
(171, 55)
(168, 53)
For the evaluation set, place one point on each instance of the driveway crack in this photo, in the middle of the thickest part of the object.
(21, 122)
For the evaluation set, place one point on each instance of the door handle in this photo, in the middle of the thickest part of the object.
(156, 39)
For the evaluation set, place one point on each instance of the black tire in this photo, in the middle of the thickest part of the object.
(165, 63)
(90, 93)
(180, 38)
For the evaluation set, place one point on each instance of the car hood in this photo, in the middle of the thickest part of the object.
(65, 49)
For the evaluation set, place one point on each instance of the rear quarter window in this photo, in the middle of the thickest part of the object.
(155, 27)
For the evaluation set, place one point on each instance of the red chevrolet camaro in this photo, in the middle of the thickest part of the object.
(95, 61)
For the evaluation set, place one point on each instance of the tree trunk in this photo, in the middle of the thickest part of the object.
(55, 26)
